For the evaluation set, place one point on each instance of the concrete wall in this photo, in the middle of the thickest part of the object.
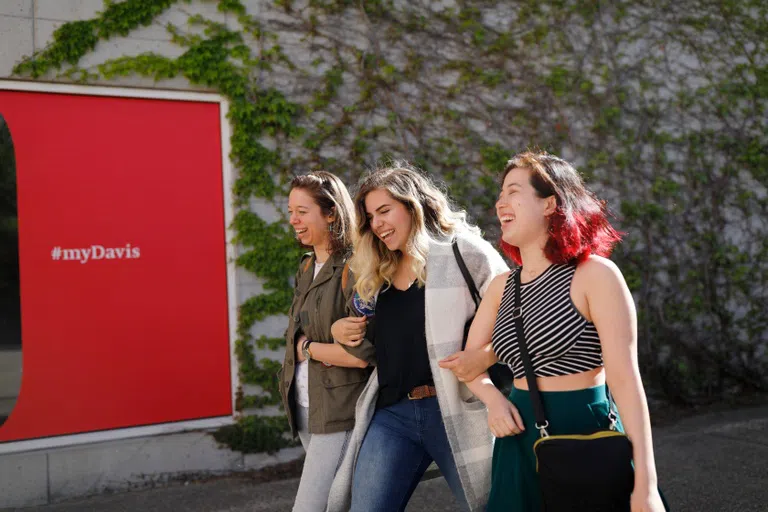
(46, 476)
(27, 26)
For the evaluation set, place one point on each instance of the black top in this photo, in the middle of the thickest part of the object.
(401, 344)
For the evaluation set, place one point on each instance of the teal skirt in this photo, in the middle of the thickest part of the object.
(514, 482)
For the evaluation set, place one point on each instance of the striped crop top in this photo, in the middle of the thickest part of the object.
(560, 340)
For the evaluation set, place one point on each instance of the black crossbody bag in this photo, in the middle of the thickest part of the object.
(500, 374)
(588, 472)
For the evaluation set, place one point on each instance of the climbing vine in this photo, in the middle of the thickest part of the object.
(662, 108)
(217, 58)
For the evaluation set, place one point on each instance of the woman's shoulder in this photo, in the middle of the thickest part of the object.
(596, 265)
(500, 281)
(497, 286)
(596, 270)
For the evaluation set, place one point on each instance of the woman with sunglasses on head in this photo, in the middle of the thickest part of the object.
(417, 303)
(320, 381)
(579, 326)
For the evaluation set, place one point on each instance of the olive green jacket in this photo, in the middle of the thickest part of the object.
(333, 391)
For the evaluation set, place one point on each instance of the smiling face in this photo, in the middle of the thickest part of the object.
(389, 219)
(524, 216)
(308, 220)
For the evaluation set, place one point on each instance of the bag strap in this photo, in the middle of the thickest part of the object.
(530, 376)
(465, 272)
(345, 276)
(306, 265)
(467, 279)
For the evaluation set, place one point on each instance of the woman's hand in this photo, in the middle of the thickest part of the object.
(466, 365)
(349, 331)
(646, 499)
(504, 418)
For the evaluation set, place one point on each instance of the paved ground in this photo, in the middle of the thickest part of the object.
(711, 463)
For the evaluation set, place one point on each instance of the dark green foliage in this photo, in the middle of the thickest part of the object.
(677, 145)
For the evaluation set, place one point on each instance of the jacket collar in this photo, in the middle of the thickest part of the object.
(326, 273)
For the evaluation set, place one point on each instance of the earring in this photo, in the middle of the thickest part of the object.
(330, 228)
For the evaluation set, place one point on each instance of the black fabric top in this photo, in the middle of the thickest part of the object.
(401, 344)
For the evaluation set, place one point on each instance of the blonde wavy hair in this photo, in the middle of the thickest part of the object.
(432, 218)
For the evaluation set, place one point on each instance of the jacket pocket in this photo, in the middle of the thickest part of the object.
(468, 399)
(342, 389)
(473, 404)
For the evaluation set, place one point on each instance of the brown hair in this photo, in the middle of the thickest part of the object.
(332, 196)
(579, 227)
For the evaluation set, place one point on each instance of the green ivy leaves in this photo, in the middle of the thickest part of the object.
(73, 40)
(271, 253)
(560, 75)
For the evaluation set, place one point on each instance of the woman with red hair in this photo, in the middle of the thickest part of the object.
(580, 329)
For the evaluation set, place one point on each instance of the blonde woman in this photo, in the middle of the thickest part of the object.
(417, 302)
(319, 381)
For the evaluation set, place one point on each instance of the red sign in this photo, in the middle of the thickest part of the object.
(122, 263)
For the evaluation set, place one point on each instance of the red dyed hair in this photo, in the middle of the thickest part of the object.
(579, 227)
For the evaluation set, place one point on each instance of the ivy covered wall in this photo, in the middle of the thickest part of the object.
(662, 106)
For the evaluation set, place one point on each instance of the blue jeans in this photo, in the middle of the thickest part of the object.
(402, 441)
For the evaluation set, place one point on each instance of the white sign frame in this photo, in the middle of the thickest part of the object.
(228, 177)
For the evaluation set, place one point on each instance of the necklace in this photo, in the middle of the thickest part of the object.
(533, 273)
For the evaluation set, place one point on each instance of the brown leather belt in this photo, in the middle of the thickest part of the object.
(420, 392)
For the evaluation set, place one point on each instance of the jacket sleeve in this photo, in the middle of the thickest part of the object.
(299, 272)
(366, 351)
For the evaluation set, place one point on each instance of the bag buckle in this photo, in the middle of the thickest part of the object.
(543, 429)
(613, 419)
(517, 312)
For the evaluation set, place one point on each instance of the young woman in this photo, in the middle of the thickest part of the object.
(580, 327)
(412, 411)
(319, 381)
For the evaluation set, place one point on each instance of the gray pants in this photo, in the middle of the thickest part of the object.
(324, 453)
